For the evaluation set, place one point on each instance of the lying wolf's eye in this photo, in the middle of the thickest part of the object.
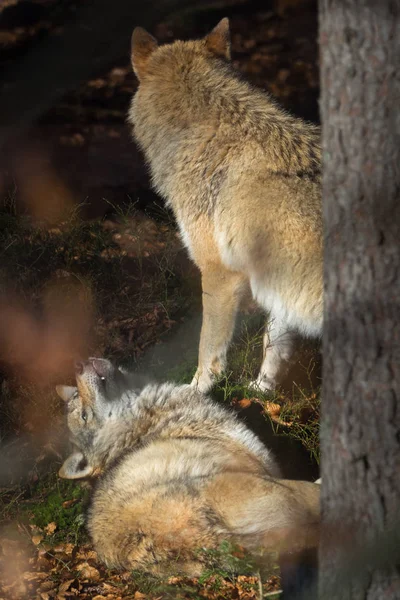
(84, 415)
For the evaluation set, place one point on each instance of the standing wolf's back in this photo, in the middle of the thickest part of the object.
(229, 161)
(196, 119)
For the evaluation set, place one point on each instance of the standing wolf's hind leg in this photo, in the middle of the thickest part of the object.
(277, 350)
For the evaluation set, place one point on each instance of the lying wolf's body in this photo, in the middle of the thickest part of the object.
(177, 473)
(243, 179)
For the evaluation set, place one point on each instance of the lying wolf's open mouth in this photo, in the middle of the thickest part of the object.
(100, 366)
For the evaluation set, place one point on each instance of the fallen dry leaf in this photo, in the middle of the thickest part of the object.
(50, 528)
(88, 572)
(174, 580)
(112, 590)
(34, 576)
(43, 563)
(64, 548)
(84, 553)
(69, 548)
(244, 403)
(272, 408)
(36, 539)
(46, 586)
(69, 503)
(64, 587)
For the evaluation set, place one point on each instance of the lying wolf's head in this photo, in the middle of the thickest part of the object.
(90, 405)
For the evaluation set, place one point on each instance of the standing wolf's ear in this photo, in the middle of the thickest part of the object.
(66, 392)
(75, 467)
(142, 45)
(218, 41)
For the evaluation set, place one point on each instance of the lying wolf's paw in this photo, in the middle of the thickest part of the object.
(263, 384)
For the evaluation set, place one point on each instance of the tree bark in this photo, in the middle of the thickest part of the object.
(360, 429)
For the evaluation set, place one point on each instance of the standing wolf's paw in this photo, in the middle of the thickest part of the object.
(263, 384)
(203, 380)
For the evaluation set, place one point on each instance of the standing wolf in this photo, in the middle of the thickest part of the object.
(178, 473)
(243, 179)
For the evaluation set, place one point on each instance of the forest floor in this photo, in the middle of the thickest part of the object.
(103, 273)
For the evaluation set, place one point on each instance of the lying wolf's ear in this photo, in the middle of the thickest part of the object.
(66, 392)
(142, 45)
(75, 467)
(219, 40)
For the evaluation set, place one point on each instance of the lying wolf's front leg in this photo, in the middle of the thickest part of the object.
(222, 291)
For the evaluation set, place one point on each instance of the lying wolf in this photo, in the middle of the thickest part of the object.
(177, 473)
(243, 179)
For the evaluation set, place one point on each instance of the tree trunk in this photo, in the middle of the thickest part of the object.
(360, 431)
